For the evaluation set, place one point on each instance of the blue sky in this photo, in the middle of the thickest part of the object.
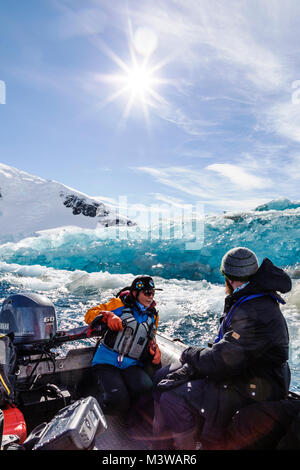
(164, 101)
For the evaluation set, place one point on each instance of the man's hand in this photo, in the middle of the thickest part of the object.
(184, 372)
(176, 378)
(188, 353)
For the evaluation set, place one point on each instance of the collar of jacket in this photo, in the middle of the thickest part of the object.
(249, 289)
(129, 301)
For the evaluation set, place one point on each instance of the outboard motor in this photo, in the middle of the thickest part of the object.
(30, 317)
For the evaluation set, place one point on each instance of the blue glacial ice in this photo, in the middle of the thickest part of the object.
(271, 233)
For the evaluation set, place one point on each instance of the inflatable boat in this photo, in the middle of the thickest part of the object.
(48, 404)
(45, 375)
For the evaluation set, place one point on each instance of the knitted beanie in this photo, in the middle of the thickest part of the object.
(239, 264)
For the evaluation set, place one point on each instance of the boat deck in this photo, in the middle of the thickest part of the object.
(116, 437)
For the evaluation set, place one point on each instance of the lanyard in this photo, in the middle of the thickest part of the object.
(226, 322)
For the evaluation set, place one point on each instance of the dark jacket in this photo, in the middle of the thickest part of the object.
(250, 362)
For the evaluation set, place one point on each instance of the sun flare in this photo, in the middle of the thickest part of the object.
(140, 81)
(136, 80)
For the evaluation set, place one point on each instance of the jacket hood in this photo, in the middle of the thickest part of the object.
(269, 277)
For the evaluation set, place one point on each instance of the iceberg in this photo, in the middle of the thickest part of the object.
(278, 205)
(272, 234)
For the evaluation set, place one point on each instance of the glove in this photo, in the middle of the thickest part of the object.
(183, 356)
(113, 322)
(189, 354)
(176, 378)
(100, 318)
(155, 351)
(184, 372)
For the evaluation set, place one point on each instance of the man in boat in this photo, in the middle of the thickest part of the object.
(121, 363)
(247, 362)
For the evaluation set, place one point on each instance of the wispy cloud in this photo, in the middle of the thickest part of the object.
(283, 119)
(218, 185)
(182, 179)
(192, 126)
(231, 35)
(171, 201)
(72, 22)
(239, 176)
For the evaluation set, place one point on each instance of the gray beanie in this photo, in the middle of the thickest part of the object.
(239, 264)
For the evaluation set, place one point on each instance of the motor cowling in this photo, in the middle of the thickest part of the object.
(30, 317)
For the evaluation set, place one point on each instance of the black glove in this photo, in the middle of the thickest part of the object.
(183, 372)
(178, 377)
(189, 353)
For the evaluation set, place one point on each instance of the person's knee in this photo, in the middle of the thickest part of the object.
(146, 386)
(177, 413)
(137, 382)
(111, 395)
(168, 403)
(113, 401)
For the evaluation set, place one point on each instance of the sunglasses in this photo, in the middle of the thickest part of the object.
(148, 292)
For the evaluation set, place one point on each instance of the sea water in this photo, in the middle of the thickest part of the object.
(79, 268)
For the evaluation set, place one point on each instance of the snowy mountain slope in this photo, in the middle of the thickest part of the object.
(29, 204)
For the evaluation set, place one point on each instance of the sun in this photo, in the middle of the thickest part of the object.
(136, 80)
(140, 81)
(139, 84)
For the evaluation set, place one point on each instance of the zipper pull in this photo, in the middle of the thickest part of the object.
(120, 359)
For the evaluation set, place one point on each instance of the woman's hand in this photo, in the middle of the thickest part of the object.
(155, 351)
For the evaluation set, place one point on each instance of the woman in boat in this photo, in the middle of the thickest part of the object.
(247, 362)
(128, 355)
